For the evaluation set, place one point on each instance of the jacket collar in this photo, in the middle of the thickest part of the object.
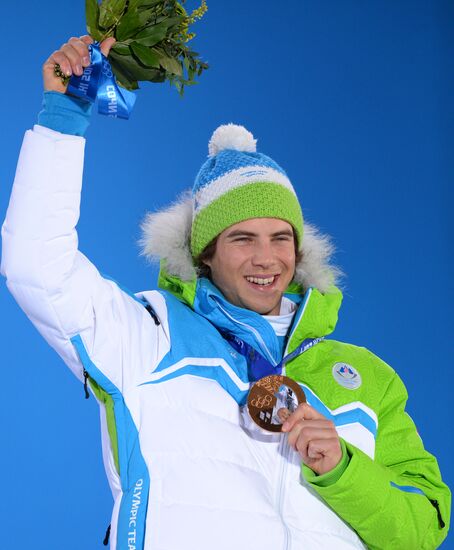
(243, 323)
(316, 314)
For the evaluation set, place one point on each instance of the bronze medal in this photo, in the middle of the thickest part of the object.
(272, 400)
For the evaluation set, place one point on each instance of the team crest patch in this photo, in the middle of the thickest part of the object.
(347, 376)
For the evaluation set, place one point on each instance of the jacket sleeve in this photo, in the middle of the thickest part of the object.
(398, 500)
(59, 289)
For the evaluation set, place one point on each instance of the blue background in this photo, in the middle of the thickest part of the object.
(355, 100)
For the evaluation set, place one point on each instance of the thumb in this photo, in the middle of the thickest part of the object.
(107, 44)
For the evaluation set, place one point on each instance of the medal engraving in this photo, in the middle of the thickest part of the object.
(272, 400)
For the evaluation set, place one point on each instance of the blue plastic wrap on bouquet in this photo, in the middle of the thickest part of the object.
(98, 82)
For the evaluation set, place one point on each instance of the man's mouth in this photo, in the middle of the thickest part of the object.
(262, 281)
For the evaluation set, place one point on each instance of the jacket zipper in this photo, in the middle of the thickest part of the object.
(434, 503)
(87, 395)
(283, 457)
(283, 446)
(296, 321)
(255, 332)
(107, 536)
(86, 375)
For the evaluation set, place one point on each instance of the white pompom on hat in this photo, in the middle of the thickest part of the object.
(231, 136)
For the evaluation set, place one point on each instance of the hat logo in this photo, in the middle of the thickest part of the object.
(251, 173)
(347, 376)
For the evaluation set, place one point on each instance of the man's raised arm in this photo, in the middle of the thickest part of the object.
(59, 289)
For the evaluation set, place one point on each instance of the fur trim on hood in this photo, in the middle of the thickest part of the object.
(166, 235)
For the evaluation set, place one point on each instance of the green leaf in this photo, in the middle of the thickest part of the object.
(148, 57)
(121, 48)
(132, 22)
(123, 77)
(173, 21)
(110, 12)
(127, 26)
(134, 4)
(151, 35)
(170, 64)
(92, 17)
(131, 67)
(146, 19)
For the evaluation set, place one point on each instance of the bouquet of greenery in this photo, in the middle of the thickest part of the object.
(152, 40)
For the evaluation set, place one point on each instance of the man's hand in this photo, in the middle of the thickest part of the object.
(72, 58)
(314, 437)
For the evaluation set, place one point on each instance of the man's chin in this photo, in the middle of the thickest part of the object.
(263, 308)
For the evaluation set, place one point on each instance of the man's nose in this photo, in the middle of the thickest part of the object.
(263, 255)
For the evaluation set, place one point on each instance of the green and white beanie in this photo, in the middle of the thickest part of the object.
(237, 183)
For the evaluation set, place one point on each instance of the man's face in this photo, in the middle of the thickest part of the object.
(254, 262)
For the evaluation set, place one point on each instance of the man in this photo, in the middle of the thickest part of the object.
(246, 291)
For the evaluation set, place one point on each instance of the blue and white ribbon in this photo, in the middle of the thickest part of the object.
(258, 366)
(98, 82)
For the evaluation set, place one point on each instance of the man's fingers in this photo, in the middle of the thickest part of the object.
(60, 58)
(107, 44)
(315, 449)
(74, 58)
(308, 430)
(303, 412)
(314, 437)
(87, 39)
(74, 55)
(82, 49)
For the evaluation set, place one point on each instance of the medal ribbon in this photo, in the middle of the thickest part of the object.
(98, 82)
(258, 366)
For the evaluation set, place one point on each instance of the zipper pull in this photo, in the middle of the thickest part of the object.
(434, 503)
(151, 311)
(106, 538)
(87, 393)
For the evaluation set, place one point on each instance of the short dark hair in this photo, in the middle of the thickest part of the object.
(203, 270)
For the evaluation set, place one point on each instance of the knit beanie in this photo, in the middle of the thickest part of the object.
(236, 183)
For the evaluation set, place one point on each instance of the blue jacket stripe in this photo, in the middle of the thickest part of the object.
(216, 373)
(134, 476)
(340, 419)
(408, 488)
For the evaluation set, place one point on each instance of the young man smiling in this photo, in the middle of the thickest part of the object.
(246, 291)
(254, 263)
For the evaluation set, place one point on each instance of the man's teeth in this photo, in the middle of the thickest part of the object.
(258, 281)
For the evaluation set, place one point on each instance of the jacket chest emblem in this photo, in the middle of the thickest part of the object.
(347, 376)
